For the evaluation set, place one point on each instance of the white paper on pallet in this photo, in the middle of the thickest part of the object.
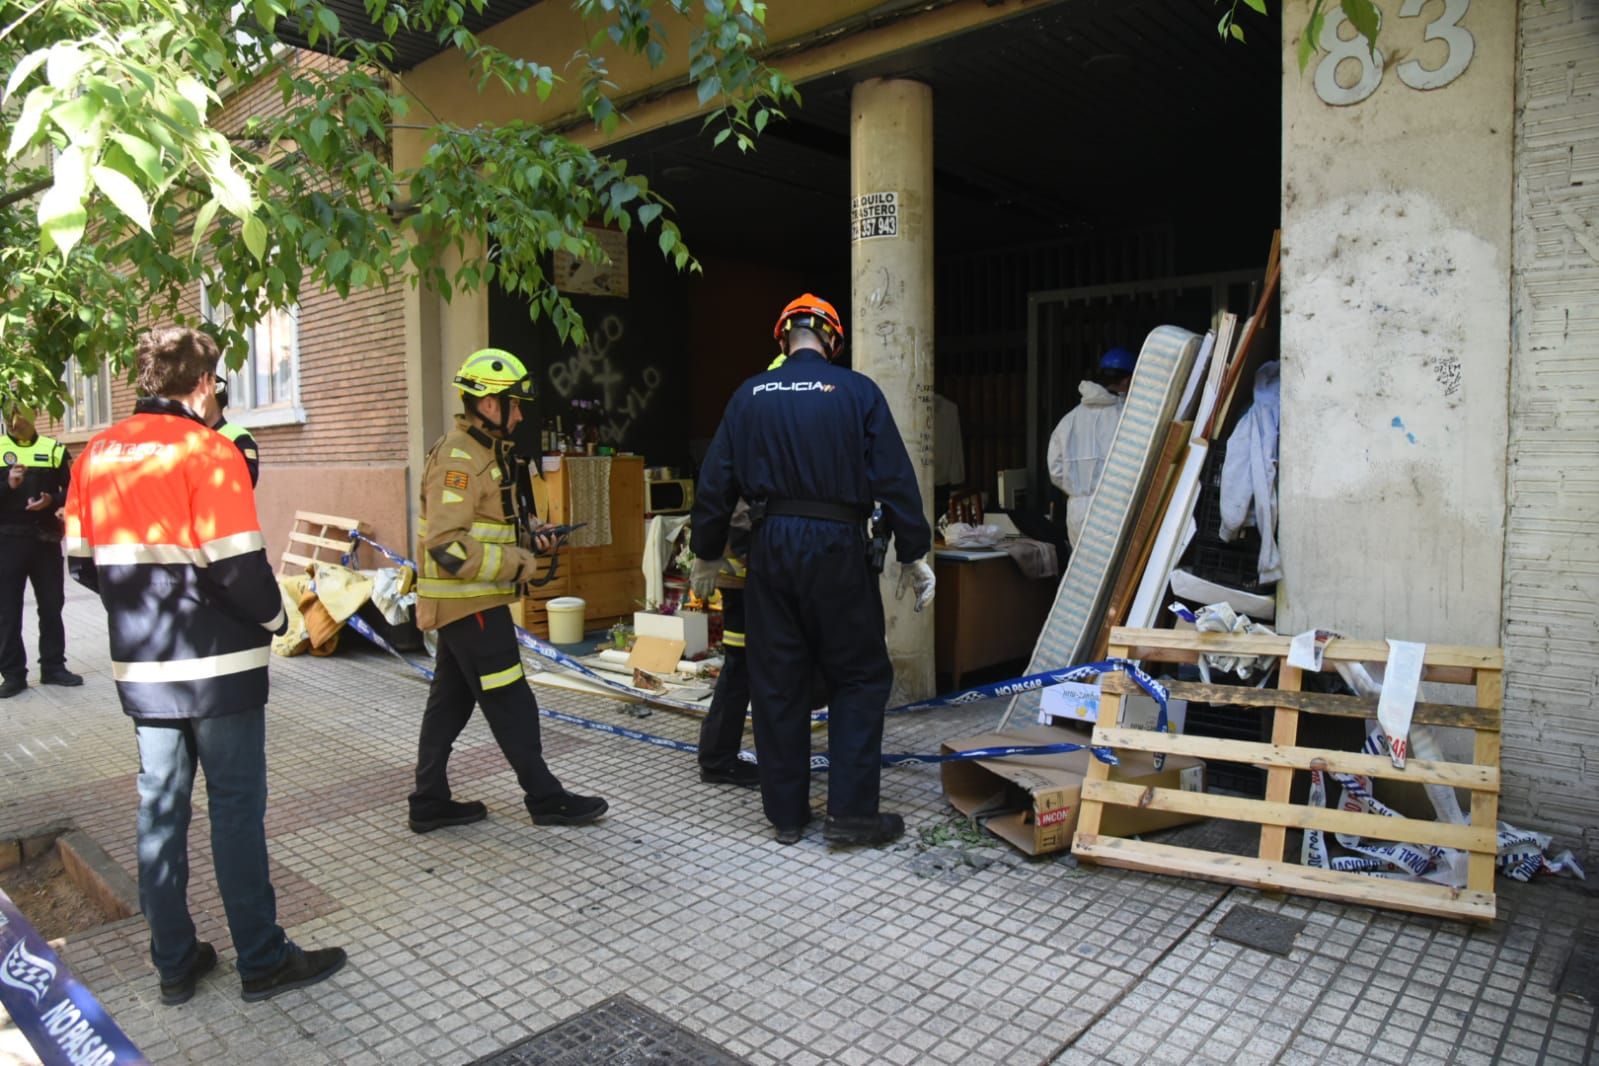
(1401, 680)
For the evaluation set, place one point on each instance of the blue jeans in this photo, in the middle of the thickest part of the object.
(231, 750)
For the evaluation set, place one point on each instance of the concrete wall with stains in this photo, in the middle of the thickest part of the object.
(1396, 336)
(1551, 631)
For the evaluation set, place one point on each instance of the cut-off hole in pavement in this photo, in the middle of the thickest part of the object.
(1580, 975)
(619, 1032)
(1260, 929)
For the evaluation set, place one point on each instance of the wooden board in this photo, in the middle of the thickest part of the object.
(1283, 757)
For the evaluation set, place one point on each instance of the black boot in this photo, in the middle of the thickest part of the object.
(182, 989)
(428, 815)
(743, 774)
(299, 969)
(566, 808)
(870, 830)
(60, 675)
(12, 686)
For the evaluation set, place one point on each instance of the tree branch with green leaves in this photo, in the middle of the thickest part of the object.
(121, 189)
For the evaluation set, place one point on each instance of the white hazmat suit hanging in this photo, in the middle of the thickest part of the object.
(1078, 449)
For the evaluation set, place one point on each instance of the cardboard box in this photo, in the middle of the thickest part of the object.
(690, 627)
(1040, 795)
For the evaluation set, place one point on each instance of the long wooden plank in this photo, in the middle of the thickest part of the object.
(1280, 779)
(1323, 703)
(1479, 778)
(1262, 812)
(1235, 366)
(297, 560)
(1341, 650)
(1485, 805)
(1416, 897)
(1142, 541)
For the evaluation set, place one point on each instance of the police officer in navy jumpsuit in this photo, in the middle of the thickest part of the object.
(812, 445)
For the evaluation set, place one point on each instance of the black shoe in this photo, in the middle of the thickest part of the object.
(299, 969)
(11, 686)
(566, 809)
(436, 814)
(870, 830)
(743, 774)
(786, 835)
(60, 676)
(182, 990)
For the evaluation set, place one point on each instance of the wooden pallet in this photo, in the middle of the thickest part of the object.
(317, 538)
(1480, 668)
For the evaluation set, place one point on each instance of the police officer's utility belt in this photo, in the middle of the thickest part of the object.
(828, 512)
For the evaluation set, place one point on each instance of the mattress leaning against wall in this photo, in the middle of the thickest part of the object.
(1163, 366)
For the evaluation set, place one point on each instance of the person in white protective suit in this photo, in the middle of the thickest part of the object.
(1081, 441)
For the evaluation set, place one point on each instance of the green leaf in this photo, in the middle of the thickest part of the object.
(709, 88)
(1366, 18)
(67, 60)
(122, 192)
(34, 106)
(1237, 31)
(265, 15)
(727, 131)
(327, 21)
(649, 213)
(318, 130)
(668, 239)
(255, 237)
(202, 222)
(1257, 5)
(76, 116)
(146, 156)
(30, 63)
(61, 214)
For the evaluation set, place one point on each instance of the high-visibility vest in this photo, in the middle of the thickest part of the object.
(44, 452)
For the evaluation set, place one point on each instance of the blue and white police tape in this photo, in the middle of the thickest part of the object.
(818, 762)
(60, 1017)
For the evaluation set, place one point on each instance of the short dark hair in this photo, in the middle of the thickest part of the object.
(173, 360)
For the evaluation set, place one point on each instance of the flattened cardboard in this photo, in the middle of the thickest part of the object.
(1040, 795)
(656, 655)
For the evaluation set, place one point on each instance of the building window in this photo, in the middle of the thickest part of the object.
(269, 380)
(90, 404)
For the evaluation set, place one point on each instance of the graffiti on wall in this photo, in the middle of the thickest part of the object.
(626, 393)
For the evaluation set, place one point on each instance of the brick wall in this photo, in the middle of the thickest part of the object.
(1551, 628)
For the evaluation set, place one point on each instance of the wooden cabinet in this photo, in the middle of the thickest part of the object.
(607, 577)
(986, 612)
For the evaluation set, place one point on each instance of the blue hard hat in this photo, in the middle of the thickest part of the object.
(1118, 359)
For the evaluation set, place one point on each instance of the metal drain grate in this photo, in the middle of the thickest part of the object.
(1580, 975)
(618, 1032)
(1260, 929)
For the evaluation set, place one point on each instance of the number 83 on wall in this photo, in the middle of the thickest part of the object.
(1458, 42)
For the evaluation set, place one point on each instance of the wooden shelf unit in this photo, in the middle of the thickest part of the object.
(608, 578)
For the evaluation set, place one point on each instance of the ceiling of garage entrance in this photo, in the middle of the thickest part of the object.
(1076, 115)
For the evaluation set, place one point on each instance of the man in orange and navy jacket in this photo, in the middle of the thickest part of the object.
(161, 523)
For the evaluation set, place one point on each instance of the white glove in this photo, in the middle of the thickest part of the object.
(917, 576)
(702, 579)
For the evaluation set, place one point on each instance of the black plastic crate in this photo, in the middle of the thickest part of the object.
(1230, 722)
(1234, 566)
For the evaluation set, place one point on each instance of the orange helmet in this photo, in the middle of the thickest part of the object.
(813, 313)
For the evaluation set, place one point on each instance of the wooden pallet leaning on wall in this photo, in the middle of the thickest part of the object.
(317, 538)
(1480, 668)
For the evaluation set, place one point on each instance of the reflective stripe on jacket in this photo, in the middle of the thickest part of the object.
(468, 549)
(161, 523)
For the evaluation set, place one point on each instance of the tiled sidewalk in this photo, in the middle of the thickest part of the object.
(465, 941)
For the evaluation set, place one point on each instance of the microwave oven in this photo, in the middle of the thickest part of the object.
(673, 496)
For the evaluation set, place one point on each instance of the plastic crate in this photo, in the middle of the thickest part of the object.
(1230, 722)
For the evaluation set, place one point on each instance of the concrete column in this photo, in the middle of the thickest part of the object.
(1396, 325)
(891, 320)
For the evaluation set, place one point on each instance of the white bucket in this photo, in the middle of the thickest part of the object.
(566, 619)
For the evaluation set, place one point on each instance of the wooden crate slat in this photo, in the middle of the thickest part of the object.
(1292, 815)
(297, 560)
(1414, 896)
(1266, 754)
(340, 546)
(316, 519)
(1340, 650)
(1323, 703)
(1485, 805)
(1280, 779)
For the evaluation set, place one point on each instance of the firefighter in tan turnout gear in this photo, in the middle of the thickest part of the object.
(475, 550)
